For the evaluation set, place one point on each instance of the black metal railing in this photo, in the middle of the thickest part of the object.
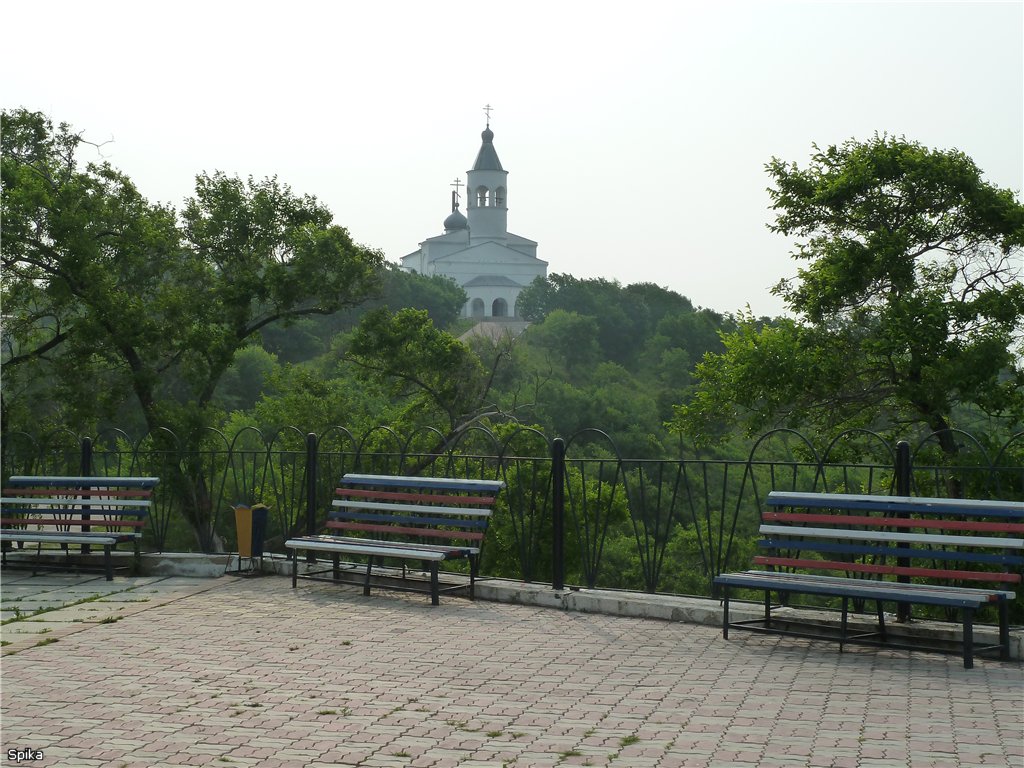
(574, 511)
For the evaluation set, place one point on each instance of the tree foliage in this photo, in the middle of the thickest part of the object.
(98, 278)
(431, 370)
(910, 306)
(119, 305)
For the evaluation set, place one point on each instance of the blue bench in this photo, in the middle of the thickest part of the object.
(55, 513)
(384, 518)
(884, 549)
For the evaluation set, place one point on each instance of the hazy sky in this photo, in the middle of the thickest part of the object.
(635, 134)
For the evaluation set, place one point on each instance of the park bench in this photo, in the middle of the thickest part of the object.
(384, 518)
(954, 553)
(57, 513)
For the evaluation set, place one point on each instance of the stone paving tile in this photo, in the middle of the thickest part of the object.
(253, 673)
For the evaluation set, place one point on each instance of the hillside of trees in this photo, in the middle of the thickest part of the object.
(249, 305)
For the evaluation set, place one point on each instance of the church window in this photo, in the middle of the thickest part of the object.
(499, 308)
(477, 308)
(483, 195)
(499, 197)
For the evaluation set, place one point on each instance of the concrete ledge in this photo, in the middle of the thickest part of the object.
(691, 610)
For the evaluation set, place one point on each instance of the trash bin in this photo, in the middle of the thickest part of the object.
(251, 527)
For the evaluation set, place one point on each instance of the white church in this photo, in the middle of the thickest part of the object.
(476, 250)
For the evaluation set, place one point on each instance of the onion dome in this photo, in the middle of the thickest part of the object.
(455, 221)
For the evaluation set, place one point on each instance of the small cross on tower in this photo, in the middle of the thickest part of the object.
(487, 109)
(455, 195)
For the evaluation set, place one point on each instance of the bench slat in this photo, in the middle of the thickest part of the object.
(480, 524)
(893, 570)
(96, 522)
(914, 538)
(877, 590)
(894, 522)
(991, 558)
(912, 504)
(82, 482)
(58, 537)
(380, 549)
(437, 498)
(104, 493)
(424, 508)
(399, 481)
(393, 529)
(916, 586)
(60, 503)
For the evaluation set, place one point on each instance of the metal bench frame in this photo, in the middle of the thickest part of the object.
(55, 505)
(959, 515)
(402, 514)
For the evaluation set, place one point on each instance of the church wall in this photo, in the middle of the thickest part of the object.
(488, 295)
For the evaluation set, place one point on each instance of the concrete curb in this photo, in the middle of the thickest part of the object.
(673, 608)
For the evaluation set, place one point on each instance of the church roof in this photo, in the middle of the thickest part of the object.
(491, 252)
(487, 157)
(491, 280)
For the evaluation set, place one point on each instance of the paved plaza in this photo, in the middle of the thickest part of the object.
(248, 672)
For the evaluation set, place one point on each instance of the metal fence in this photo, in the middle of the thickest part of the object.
(574, 510)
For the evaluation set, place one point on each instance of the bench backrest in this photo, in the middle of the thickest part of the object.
(949, 540)
(425, 509)
(119, 504)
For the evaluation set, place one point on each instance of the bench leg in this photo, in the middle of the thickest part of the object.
(843, 623)
(725, 614)
(295, 568)
(336, 566)
(768, 607)
(434, 586)
(881, 621)
(369, 570)
(968, 638)
(108, 563)
(1004, 630)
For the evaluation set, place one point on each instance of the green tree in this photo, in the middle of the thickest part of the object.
(439, 378)
(102, 280)
(910, 305)
(570, 338)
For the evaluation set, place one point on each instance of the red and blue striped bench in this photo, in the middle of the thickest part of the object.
(55, 513)
(955, 553)
(385, 518)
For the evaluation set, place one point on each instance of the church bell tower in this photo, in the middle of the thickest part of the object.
(487, 192)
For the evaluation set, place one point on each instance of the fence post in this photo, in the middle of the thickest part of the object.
(903, 489)
(86, 471)
(558, 514)
(312, 478)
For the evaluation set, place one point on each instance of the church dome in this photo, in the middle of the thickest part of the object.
(487, 135)
(455, 221)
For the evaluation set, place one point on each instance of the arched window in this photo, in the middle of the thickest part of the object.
(483, 197)
(499, 308)
(499, 197)
(476, 308)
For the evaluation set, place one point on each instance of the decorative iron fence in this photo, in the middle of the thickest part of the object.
(574, 511)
